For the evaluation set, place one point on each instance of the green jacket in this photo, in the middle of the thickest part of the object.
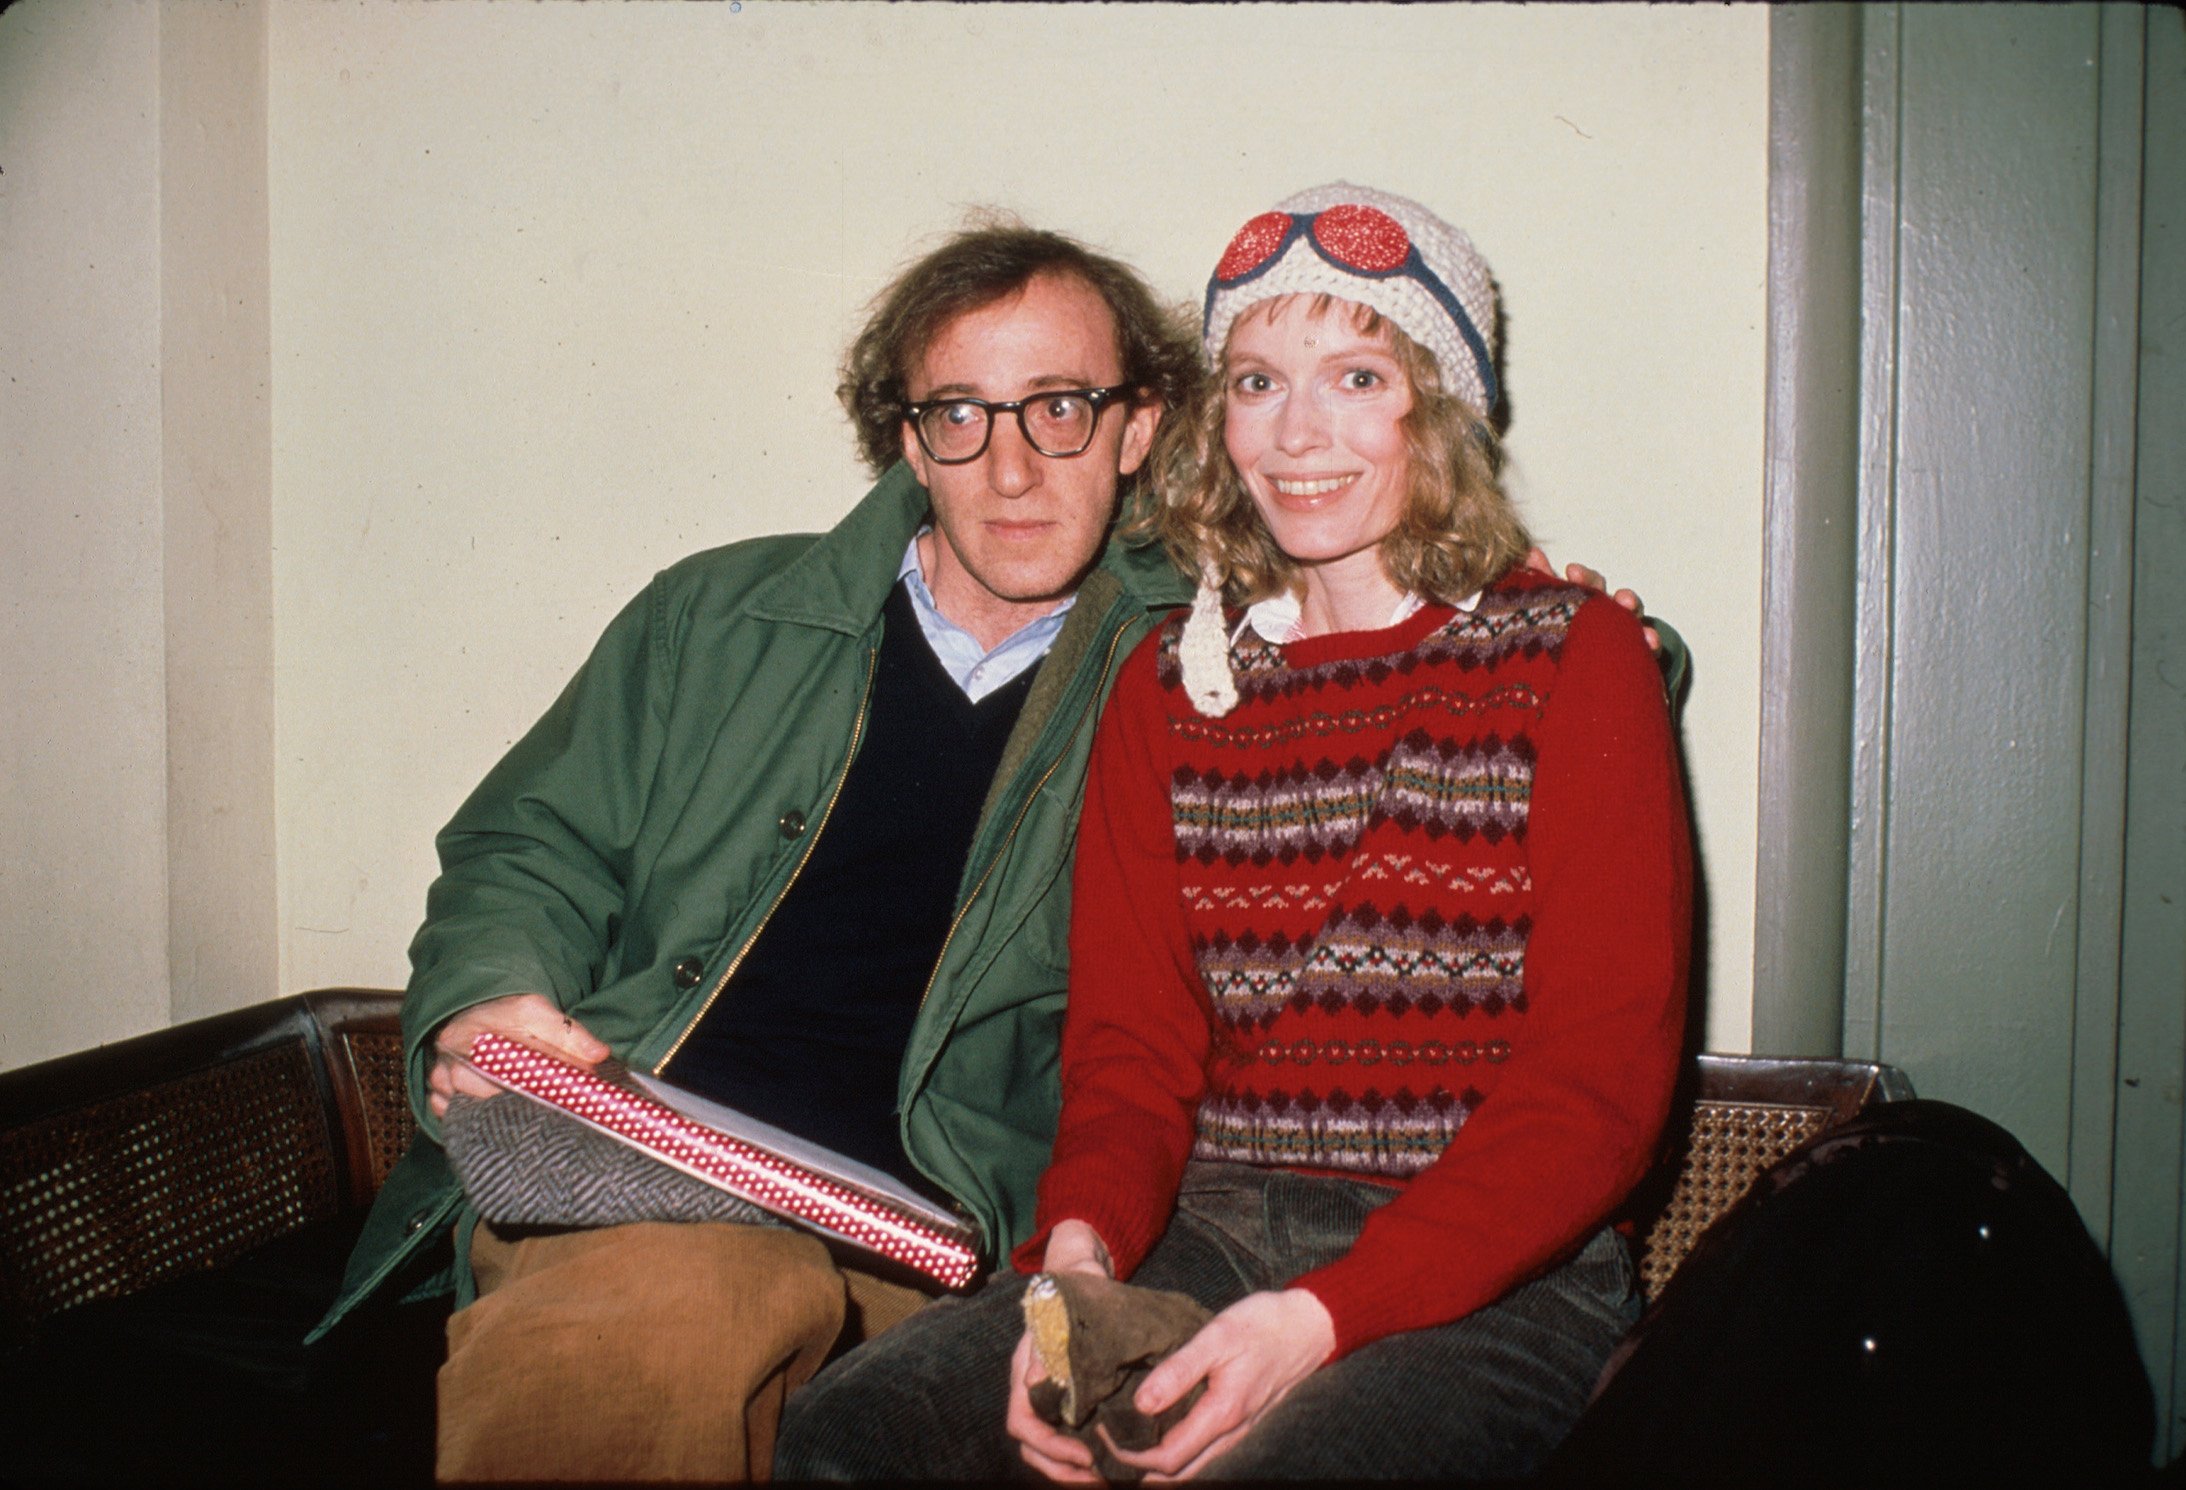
(659, 811)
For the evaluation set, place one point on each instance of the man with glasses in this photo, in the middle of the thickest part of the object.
(797, 837)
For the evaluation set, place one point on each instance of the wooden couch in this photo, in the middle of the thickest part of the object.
(185, 1149)
(198, 1188)
(174, 1214)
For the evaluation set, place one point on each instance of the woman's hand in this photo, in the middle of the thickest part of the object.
(1579, 574)
(1047, 1449)
(1072, 1247)
(1075, 1247)
(1251, 1355)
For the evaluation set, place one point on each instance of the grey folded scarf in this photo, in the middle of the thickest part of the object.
(525, 1164)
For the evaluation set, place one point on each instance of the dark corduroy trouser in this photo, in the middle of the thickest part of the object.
(1486, 1398)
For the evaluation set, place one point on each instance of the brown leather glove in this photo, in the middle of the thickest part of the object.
(1097, 1339)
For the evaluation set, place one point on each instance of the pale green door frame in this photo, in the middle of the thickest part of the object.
(1973, 755)
(1809, 526)
(2147, 1201)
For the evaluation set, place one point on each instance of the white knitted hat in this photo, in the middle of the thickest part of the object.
(1378, 249)
(1358, 244)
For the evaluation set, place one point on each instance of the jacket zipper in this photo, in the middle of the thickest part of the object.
(857, 732)
(965, 909)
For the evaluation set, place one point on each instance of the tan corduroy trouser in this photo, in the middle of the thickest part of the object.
(658, 1351)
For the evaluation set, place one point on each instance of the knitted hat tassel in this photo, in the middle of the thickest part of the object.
(1204, 650)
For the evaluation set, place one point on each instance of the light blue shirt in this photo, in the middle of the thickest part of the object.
(977, 672)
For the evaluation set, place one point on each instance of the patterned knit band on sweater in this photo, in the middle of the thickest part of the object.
(1351, 851)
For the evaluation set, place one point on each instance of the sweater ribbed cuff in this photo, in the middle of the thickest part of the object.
(1127, 1203)
(1364, 1307)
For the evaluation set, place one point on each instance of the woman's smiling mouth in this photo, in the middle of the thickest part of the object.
(1318, 486)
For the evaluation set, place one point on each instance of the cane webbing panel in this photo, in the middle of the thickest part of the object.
(115, 1196)
(376, 1058)
(1731, 1143)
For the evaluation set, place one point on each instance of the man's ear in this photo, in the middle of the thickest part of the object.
(1138, 437)
(915, 455)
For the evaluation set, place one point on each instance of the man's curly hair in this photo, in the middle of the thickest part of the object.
(994, 257)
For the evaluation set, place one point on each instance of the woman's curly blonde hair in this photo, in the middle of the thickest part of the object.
(1458, 529)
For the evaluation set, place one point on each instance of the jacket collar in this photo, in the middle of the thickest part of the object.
(1145, 570)
(842, 581)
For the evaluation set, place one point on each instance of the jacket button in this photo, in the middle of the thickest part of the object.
(417, 1222)
(688, 972)
(792, 823)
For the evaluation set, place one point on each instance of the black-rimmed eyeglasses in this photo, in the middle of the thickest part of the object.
(1058, 423)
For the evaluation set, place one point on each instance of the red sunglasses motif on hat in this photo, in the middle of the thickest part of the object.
(1355, 238)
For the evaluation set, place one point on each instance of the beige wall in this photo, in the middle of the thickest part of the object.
(556, 293)
(136, 745)
(83, 872)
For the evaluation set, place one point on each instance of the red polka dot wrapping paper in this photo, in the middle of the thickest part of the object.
(790, 1188)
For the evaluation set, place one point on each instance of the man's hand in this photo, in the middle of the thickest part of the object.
(1072, 1247)
(1251, 1355)
(1579, 574)
(530, 1018)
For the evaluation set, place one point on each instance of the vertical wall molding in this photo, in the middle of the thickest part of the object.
(1867, 850)
(216, 495)
(1810, 518)
(2147, 1198)
(2112, 414)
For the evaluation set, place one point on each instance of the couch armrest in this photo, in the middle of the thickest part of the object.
(1737, 1116)
(360, 1039)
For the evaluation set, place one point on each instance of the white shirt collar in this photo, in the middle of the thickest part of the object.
(1276, 618)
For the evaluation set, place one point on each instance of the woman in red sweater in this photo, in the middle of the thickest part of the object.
(1382, 914)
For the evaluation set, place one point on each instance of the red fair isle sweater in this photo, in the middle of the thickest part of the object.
(1417, 910)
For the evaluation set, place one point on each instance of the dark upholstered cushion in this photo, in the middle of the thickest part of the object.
(205, 1380)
